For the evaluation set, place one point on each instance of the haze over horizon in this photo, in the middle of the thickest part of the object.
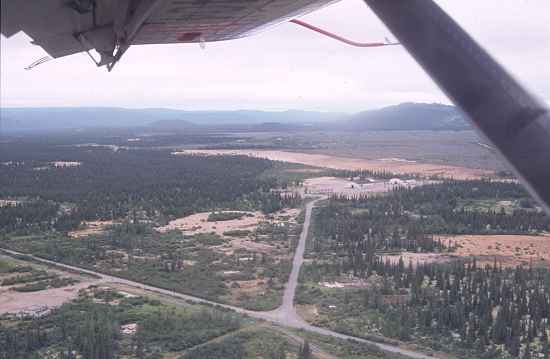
(236, 109)
(283, 68)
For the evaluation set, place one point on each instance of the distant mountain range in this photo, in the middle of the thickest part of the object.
(407, 116)
(410, 116)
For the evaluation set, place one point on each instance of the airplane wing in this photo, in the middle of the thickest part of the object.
(65, 27)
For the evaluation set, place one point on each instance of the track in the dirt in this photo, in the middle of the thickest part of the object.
(285, 315)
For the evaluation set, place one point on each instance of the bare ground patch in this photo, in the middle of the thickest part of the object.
(308, 312)
(510, 250)
(91, 228)
(251, 288)
(347, 163)
(198, 223)
(13, 302)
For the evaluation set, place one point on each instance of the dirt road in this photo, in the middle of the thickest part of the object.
(287, 312)
(284, 316)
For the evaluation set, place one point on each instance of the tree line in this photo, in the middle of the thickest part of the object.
(404, 217)
(116, 184)
(501, 312)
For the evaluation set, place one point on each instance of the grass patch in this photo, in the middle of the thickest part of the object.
(46, 284)
(255, 343)
(225, 216)
(237, 233)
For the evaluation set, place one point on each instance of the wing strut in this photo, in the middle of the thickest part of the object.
(517, 123)
(40, 61)
(340, 38)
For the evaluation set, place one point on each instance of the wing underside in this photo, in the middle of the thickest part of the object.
(64, 27)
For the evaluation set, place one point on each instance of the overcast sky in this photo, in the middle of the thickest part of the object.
(285, 67)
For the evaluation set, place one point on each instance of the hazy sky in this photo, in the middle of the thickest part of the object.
(285, 67)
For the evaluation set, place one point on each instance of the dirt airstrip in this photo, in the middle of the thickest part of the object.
(394, 165)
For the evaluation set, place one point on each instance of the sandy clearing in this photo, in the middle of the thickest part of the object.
(309, 312)
(510, 250)
(346, 163)
(198, 223)
(252, 288)
(13, 302)
(89, 228)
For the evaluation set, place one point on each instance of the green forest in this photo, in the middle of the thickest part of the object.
(50, 188)
(137, 252)
(126, 183)
(91, 328)
(476, 311)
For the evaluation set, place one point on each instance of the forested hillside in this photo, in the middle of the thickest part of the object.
(61, 187)
(476, 311)
(439, 208)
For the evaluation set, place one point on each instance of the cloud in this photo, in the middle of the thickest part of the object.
(286, 67)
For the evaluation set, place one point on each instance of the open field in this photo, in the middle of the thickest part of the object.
(90, 228)
(455, 148)
(243, 261)
(198, 223)
(13, 302)
(178, 329)
(22, 274)
(394, 165)
(241, 233)
(510, 250)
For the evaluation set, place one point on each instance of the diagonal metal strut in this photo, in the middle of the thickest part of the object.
(515, 121)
